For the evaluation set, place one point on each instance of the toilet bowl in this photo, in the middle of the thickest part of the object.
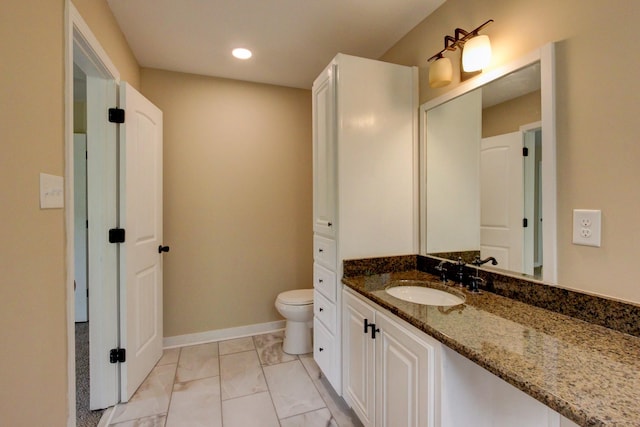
(297, 308)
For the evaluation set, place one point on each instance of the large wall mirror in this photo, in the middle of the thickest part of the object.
(488, 169)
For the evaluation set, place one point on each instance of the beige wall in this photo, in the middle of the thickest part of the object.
(597, 109)
(508, 116)
(33, 291)
(33, 368)
(237, 198)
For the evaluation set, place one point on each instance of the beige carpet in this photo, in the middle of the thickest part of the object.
(84, 416)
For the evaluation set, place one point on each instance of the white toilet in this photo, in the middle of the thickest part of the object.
(297, 308)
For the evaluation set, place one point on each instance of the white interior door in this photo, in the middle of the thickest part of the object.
(531, 200)
(140, 258)
(501, 201)
(80, 226)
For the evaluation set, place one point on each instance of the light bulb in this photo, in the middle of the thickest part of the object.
(241, 53)
(440, 72)
(476, 53)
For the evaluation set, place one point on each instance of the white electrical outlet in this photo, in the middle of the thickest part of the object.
(587, 227)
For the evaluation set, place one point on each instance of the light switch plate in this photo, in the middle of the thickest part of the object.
(51, 191)
(587, 227)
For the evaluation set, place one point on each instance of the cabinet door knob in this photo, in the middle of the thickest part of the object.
(320, 281)
(320, 250)
(321, 349)
(321, 309)
(329, 224)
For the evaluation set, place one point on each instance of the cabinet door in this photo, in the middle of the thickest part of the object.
(359, 373)
(324, 159)
(405, 377)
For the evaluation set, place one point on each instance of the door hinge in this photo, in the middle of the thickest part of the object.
(525, 152)
(525, 222)
(116, 235)
(118, 355)
(116, 115)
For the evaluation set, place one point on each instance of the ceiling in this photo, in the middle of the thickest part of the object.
(292, 40)
(514, 85)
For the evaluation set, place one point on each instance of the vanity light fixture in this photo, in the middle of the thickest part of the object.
(241, 53)
(440, 72)
(476, 54)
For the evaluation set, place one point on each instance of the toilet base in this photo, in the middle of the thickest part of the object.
(297, 338)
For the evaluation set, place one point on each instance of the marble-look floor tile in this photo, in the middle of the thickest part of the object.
(320, 418)
(343, 415)
(197, 362)
(152, 398)
(152, 421)
(169, 356)
(269, 347)
(236, 346)
(106, 417)
(241, 374)
(196, 403)
(292, 390)
(252, 410)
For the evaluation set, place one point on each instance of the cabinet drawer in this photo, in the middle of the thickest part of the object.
(324, 280)
(325, 311)
(323, 348)
(324, 251)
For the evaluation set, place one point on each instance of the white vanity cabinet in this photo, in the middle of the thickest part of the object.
(364, 181)
(390, 368)
(471, 395)
(404, 377)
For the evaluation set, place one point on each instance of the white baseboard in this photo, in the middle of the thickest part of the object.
(222, 334)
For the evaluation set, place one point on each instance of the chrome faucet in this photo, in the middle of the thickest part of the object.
(478, 262)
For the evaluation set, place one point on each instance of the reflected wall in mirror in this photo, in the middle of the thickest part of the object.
(485, 186)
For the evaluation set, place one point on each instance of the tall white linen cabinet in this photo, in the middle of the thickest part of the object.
(365, 182)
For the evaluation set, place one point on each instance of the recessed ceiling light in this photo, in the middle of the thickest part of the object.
(241, 53)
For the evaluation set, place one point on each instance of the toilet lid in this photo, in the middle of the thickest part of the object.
(297, 297)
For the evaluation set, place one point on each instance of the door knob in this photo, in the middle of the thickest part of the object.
(163, 249)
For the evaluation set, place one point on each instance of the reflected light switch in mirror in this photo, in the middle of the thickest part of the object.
(51, 191)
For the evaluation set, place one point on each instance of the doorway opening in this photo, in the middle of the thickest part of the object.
(91, 200)
(120, 273)
(85, 417)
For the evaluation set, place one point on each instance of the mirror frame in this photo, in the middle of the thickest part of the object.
(546, 56)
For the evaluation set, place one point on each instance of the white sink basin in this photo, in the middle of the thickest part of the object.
(423, 295)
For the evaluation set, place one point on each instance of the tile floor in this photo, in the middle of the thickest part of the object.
(245, 382)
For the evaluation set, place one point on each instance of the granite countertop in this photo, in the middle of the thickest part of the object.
(588, 373)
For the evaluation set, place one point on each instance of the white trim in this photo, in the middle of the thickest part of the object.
(69, 218)
(416, 161)
(83, 48)
(89, 45)
(222, 334)
(546, 56)
(549, 169)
